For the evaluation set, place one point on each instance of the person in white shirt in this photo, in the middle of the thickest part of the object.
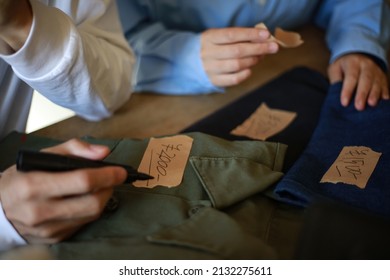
(72, 52)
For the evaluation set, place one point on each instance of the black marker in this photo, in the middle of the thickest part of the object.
(41, 161)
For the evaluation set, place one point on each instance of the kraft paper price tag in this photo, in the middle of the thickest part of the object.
(353, 166)
(286, 39)
(264, 123)
(165, 159)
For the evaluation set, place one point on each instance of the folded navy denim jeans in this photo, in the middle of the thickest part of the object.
(301, 90)
(338, 127)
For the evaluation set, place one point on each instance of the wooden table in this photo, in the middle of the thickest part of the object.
(148, 114)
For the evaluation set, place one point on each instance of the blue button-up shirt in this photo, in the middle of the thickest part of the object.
(165, 34)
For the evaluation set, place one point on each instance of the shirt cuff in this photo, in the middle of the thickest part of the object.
(9, 237)
(356, 42)
(190, 55)
(49, 37)
(178, 74)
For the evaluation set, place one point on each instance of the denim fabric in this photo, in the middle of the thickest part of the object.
(339, 127)
(301, 90)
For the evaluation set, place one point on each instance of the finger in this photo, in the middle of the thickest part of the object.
(235, 35)
(385, 91)
(349, 86)
(239, 50)
(374, 95)
(264, 36)
(232, 79)
(230, 66)
(80, 148)
(78, 208)
(335, 73)
(40, 185)
(51, 232)
(366, 84)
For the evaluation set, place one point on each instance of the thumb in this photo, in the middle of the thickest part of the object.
(80, 148)
(335, 73)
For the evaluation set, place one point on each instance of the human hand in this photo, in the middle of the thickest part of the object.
(47, 207)
(359, 72)
(229, 53)
(15, 24)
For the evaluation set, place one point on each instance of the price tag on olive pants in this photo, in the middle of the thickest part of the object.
(165, 159)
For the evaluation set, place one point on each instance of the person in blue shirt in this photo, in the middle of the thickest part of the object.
(194, 47)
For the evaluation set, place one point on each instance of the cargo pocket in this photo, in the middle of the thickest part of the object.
(230, 180)
(212, 231)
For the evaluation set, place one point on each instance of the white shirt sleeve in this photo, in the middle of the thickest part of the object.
(9, 237)
(76, 56)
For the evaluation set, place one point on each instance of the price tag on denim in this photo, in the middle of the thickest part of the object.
(353, 166)
(165, 159)
(264, 123)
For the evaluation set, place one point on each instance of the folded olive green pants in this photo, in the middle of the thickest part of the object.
(219, 211)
